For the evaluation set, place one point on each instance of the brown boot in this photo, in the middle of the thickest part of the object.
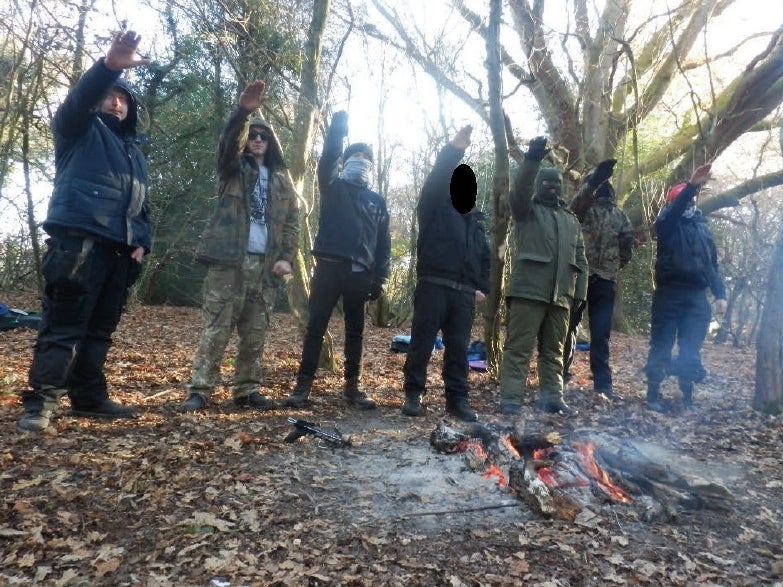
(353, 396)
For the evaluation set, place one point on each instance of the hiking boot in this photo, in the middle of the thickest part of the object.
(686, 387)
(558, 407)
(510, 409)
(412, 405)
(300, 393)
(608, 394)
(255, 401)
(460, 409)
(39, 408)
(353, 396)
(654, 398)
(193, 403)
(106, 409)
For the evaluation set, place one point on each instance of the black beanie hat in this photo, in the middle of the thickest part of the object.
(356, 148)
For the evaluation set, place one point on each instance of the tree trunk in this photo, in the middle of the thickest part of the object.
(500, 182)
(302, 139)
(768, 397)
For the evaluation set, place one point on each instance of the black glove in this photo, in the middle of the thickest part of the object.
(340, 123)
(536, 149)
(376, 290)
(601, 173)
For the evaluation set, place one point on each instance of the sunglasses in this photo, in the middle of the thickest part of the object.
(254, 134)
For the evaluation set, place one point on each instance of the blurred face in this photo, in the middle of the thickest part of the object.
(115, 103)
(359, 155)
(258, 141)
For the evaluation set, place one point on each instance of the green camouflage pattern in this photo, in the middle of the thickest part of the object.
(234, 297)
(607, 231)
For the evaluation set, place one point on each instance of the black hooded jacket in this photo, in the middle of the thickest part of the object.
(687, 256)
(450, 245)
(101, 178)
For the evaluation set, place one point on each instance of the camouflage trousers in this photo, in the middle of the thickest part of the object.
(528, 320)
(233, 297)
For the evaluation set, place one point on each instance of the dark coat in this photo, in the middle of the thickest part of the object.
(101, 179)
(354, 222)
(450, 245)
(687, 256)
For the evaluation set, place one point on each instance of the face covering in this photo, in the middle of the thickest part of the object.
(357, 171)
(548, 186)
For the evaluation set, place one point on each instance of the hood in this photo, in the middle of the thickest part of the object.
(549, 196)
(273, 159)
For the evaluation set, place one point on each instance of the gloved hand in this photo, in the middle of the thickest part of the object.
(376, 290)
(340, 123)
(601, 173)
(536, 149)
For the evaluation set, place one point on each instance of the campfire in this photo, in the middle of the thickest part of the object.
(561, 477)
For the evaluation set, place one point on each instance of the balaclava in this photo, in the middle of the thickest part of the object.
(548, 195)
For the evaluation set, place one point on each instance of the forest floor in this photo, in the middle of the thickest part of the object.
(219, 499)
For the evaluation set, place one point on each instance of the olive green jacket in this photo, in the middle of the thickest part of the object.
(224, 240)
(549, 263)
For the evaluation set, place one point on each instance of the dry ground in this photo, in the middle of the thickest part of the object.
(219, 499)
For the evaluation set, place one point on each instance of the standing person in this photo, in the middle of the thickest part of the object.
(608, 236)
(548, 275)
(452, 269)
(99, 227)
(352, 251)
(248, 244)
(686, 266)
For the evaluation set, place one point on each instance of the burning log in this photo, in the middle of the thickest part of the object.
(559, 478)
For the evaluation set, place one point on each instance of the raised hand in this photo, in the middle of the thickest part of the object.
(602, 172)
(536, 149)
(461, 140)
(122, 53)
(701, 174)
(340, 123)
(252, 96)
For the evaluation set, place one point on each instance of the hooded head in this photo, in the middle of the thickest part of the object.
(548, 186)
(605, 191)
(273, 157)
(126, 126)
(363, 148)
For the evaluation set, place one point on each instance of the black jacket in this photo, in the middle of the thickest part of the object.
(687, 256)
(450, 245)
(354, 222)
(101, 179)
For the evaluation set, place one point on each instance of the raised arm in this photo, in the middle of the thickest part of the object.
(234, 136)
(333, 149)
(436, 193)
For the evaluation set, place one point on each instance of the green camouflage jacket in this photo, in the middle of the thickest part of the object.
(607, 232)
(224, 240)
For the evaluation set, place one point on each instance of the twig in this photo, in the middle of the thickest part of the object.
(463, 510)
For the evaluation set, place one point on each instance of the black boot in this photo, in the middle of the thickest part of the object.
(686, 387)
(459, 408)
(194, 403)
(106, 409)
(353, 396)
(255, 401)
(558, 407)
(412, 405)
(654, 398)
(300, 393)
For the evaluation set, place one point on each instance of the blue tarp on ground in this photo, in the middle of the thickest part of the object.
(11, 318)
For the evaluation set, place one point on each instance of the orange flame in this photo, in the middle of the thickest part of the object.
(494, 471)
(586, 450)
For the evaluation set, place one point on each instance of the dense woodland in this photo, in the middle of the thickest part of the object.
(661, 90)
(218, 498)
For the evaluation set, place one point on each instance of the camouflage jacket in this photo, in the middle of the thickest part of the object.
(607, 232)
(225, 238)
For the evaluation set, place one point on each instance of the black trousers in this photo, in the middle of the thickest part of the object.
(600, 307)
(331, 281)
(437, 307)
(682, 315)
(86, 286)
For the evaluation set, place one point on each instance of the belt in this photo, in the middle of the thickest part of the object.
(450, 283)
